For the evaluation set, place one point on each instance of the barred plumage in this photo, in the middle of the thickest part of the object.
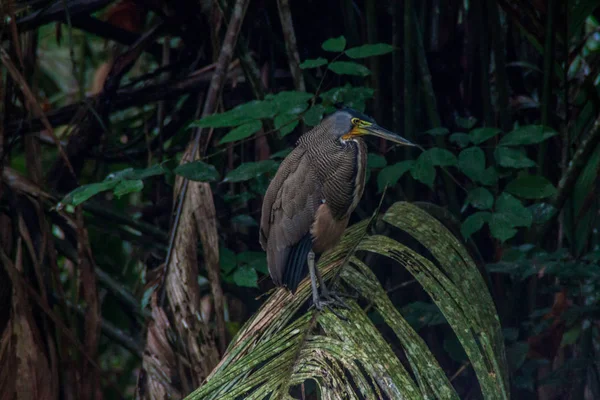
(317, 186)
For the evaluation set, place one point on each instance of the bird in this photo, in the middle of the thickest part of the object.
(308, 203)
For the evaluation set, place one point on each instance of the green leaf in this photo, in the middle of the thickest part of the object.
(531, 187)
(489, 176)
(516, 213)
(128, 186)
(423, 170)
(354, 97)
(85, 192)
(542, 212)
(314, 115)
(289, 101)
(391, 174)
(252, 110)
(369, 50)
(246, 277)
(133, 174)
(441, 157)
(500, 227)
(349, 68)
(461, 139)
(197, 171)
(250, 170)
(285, 123)
(480, 135)
(480, 198)
(242, 132)
(516, 355)
(528, 134)
(437, 131)
(466, 123)
(512, 158)
(376, 161)
(314, 63)
(244, 220)
(474, 222)
(255, 260)
(334, 44)
(471, 162)
(227, 260)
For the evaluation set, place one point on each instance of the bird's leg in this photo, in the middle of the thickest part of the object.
(313, 280)
(326, 297)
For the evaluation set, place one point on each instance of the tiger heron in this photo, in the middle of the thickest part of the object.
(309, 201)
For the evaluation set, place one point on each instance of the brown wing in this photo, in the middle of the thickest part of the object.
(288, 210)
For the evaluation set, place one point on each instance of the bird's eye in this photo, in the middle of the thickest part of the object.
(355, 121)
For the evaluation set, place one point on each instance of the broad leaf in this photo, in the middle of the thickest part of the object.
(440, 157)
(242, 132)
(128, 186)
(474, 222)
(531, 187)
(250, 170)
(245, 276)
(528, 134)
(500, 227)
(461, 139)
(318, 62)
(423, 170)
(466, 123)
(480, 135)
(285, 123)
(197, 171)
(437, 131)
(369, 50)
(512, 158)
(314, 115)
(335, 45)
(471, 162)
(85, 192)
(376, 161)
(480, 198)
(349, 68)
(392, 173)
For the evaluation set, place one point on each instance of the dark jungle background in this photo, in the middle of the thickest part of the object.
(101, 101)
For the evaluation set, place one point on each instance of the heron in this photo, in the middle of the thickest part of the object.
(308, 203)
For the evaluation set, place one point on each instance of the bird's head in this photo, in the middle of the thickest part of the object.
(347, 124)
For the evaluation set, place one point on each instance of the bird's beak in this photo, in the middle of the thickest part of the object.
(376, 130)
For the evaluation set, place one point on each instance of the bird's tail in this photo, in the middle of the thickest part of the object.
(296, 267)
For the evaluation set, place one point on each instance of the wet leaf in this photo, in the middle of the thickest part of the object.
(376, 161)
(85, 192)
(423, 170)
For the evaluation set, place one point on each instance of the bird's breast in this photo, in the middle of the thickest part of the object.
(341, 168)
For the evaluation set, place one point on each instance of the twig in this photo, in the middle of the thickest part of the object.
(285, 15)
(548, 72)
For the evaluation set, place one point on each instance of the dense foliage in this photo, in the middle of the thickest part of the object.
(137, 140)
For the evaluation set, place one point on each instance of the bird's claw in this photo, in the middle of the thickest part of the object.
(331, 301)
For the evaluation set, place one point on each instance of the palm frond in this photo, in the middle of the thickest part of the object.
(282, 347)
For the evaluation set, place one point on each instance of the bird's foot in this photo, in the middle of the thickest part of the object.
(332, 301)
